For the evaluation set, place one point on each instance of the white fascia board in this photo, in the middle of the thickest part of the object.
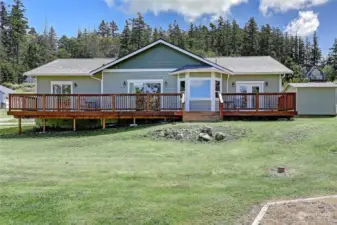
(261, 73)
(167, 44)
(57, 74)
(197, 71)
(140, 70)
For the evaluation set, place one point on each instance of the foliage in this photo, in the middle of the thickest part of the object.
(330, 72)
(22, 49)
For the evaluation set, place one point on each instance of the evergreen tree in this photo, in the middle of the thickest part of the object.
(307, 54)
(140, 33)
(17, 28)
(125, 40)
(333, 54)
(4, 35)
(52, 39)
(265, 40)
(114, 28)
(236, 39)
(316, 52)
(155, 35)
(251, 39)
(301, 52)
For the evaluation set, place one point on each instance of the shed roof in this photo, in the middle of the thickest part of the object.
(318, 85)
(69, 67)
(252, 65)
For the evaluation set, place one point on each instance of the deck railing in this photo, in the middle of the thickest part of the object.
(258, 102)
(96, 102)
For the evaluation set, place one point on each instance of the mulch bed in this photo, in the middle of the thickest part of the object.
(320, 212)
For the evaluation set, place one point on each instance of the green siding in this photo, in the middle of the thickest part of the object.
(273, 82)
(160, 56)
(316, 101)
(113, 81)
(85, 84)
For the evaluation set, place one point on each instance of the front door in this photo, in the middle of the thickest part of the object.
(248, 101)
(146, 87)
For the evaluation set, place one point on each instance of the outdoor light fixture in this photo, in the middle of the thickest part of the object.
(233, 84)
(75, 85)
(165, 83)
(266, 83)
(124, 83)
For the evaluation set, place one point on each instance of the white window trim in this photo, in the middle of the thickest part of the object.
(61, 83)
(250, 82)
(161, 81)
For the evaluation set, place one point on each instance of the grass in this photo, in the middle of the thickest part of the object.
(120, 177)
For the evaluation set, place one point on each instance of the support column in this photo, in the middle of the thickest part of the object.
(213, 92)
(74, 124)
(103, 123)
(19, 126)
(44, 125)
(187, 92)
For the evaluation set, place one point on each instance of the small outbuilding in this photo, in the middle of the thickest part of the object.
(4, 92)
(314, 99)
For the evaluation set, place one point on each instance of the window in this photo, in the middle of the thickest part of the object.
(217, 88)
(182, 86)
(61, 87)
(200, 89)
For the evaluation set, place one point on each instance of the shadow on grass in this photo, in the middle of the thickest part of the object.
(32, 132)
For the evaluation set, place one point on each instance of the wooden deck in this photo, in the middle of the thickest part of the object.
(145, 106)
(258, 104)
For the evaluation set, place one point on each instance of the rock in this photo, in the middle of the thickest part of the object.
(204, 137)
(179, 136)
(220, 136)
(207, 130)
(162, 134)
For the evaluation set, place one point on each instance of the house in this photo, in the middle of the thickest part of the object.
(315, 74)
(4, 95)
(314, 99)
(159, 80)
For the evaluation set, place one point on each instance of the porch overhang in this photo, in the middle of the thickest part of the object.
(196, 69)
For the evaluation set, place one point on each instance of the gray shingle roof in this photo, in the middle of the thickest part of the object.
(6, 90)
(252, 65)
(300, 85)
(69, 67)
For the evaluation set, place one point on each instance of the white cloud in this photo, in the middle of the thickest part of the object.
(304, 25)
(110, 3)
(190, 9)
(285, 5)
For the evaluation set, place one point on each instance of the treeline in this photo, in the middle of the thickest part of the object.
(22, 48)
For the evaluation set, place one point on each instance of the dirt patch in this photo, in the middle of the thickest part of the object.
(323, 212)
(199, 133)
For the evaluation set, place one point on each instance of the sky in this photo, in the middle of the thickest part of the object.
(294, 16)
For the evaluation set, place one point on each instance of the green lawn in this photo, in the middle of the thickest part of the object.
(110, 177)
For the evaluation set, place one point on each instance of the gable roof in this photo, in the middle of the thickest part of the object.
(316, 74)
(161, 41)
(316, 85)
(79, 67)
(6, 90)
(252, 65)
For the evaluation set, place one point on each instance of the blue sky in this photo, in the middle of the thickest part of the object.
(296, 16)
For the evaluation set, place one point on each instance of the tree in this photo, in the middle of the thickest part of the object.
(4, 29)
(17, 28)
(114, 28)
(251, 39)
(155, 35)
(333, 54)
(265, 40)
(316, 52)
(52, 39)
(236, 39)
(125, 40)
(330, 73)
(140, 33)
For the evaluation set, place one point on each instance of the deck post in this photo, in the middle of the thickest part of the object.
(44, 125)
(147, 103)
(78, 103)
(134, 120)
(103, 123)
(44, 103)
(74, 124)
(257, 102)
(24, 103)
(19, 126)
(294, 102)
(113, 102)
